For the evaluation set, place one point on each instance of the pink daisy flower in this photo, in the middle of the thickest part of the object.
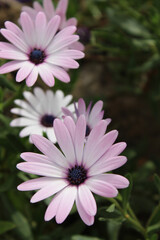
(73, 173)
(38, 50)
(50, 11)
(92, 116)
(39, 110)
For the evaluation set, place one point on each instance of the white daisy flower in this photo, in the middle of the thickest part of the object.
(39, 110)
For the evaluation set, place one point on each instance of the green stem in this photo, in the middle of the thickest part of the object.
(130, 217)
(157, 208)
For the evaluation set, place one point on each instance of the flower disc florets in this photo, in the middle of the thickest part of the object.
(37, 56)
(47, 120)
(77, 175)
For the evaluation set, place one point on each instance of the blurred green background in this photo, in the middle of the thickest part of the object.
(122, 68)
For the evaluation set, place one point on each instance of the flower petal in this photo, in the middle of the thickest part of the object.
(35, 184)
(11, 66)
(101, 187)
(53, 187)
(64, 140)
(24, 71)
(34, 157)
(32, 77)
(87, 219)
(106, 165)
(46, 74)
(66, 203)
(87, 200)
(114, 179)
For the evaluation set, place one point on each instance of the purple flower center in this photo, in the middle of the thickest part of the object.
(87, 130)
(37, 56)
(77, 175)
(47, 120)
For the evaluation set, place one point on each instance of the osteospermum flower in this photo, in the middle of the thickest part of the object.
(38, 112)
(50, 11)
(73, 174)
(92, 116)
(38, 50)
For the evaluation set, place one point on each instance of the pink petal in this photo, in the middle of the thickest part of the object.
(75, 54)
(35, 184)
(67, 113)
(96, 133)
(65, 62)
(70, 124)
(96, 119)
(51, 30)
(114, 179)
(15, 40)
(28, 28)
(53, 187)
(37, 6)
(64, 140)
(53, 206)
(87, 219)
(62, 7)
(8, 47)
(16, 55)
(46, 74)
(40, 27)
(46, 170)
(106, 165)
(34, 157)
(62, 43)
(49, 149)
(59, 73)
(32, 12)
(100, 187)
(95, 110)
(79, 139)
(115, 149)
(11, 66)
(66, 203)
(49, 8)
(14, 28)
(32, 77)
(81, 106)
(87, 200)
(24, 71)
(65, 33)
(71, 22)
(77, 45)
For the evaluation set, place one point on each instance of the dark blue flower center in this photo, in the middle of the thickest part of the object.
(77, 175)
(37, 56)
(87, 130)
(47, 120)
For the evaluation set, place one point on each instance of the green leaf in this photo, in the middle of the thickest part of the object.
(157, 182)
(154, 227)
(5, 83)
(79, 237)
(111, 208)
(22, 224)
(127, 192)
(6, 226)
(154, 237)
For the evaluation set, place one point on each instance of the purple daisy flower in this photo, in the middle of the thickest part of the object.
(50, 11)
(39, 110)
(73, 174)
(38, 50)
(92, 116)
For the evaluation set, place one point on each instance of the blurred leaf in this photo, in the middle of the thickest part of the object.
(5, 83)
(157, 182)
(154, 237)
(23, 226)
(113, 230)
(111, 208)
(127, 192)
(128, 24)
(154, 227)
(115, 216)
(6, 226)
(79, 237)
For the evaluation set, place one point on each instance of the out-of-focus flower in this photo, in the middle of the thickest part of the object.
(92, 116)
(50, 11)
(39, 110)
(73, 174)
(38, 50)
(84, 34)
(24, 1)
